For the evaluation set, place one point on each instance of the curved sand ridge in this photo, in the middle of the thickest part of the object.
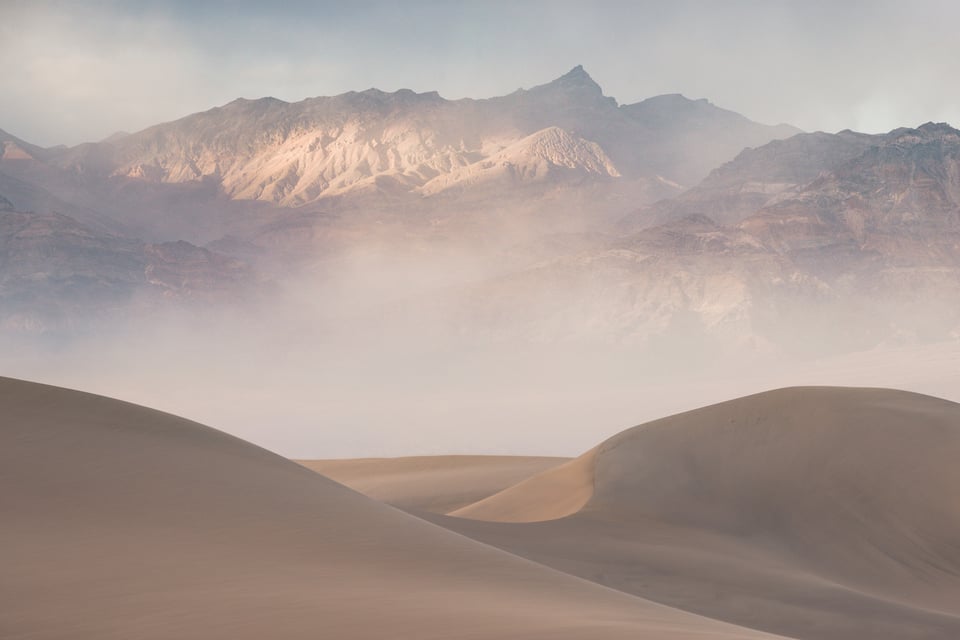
(822, 513)
(436, 484)
(123, 522)
(554, 493)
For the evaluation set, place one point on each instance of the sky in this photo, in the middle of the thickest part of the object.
(79, 71)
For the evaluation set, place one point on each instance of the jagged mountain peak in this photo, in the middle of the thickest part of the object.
(561, 149)
(297, 153)
(925, 133)
(576, 75)
(576, 81)
(937, 127)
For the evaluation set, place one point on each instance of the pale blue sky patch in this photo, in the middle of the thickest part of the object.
(79, 71)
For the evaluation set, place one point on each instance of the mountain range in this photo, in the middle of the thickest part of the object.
(582, 218)
(848, 234)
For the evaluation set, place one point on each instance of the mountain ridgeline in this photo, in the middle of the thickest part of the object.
(848, 240)
(549, 214)
(396, 153)
(299, 153)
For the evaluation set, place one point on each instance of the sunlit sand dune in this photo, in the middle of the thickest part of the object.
(821, 513)
(438, 484)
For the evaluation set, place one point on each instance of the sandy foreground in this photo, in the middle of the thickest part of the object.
(801, 513)
(436, 484)
(123, 522)
(826, 513)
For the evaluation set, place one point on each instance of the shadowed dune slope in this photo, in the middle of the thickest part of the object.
(436, 484)
(822, 513)
(123, 522)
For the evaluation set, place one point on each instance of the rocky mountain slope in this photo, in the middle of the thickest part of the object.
(56, 274)
(294, 154)
(509, 203)
(390, 152)
(847, 238)
(740, 187)
(306, 187)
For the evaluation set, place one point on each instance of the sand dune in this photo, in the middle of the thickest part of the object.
(554, 493)
(123, 522)
(820, 513)
(437, 484)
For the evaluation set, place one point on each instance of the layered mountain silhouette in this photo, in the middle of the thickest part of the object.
(590, 219)
(848, 234)
(401, 143)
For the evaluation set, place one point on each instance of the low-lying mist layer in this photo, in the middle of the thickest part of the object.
(385, 359)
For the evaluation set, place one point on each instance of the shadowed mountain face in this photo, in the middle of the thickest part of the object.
(735, 190)
(56, 274)
(844, 239)
(907, 170)
(903, 190)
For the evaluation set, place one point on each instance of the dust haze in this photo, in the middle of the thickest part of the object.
(377, 353)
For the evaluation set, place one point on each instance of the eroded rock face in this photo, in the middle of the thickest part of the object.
(896, 205)
(737, 189)
(818, 230)
(58, 274)
(850, 239)
(298, 153)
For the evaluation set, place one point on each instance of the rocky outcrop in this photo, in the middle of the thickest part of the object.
(57, 274)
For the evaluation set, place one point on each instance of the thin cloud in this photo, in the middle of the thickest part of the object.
(80, 71)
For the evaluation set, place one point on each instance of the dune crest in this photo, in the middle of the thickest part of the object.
(822, 513)
(555, 493)
(435, 484)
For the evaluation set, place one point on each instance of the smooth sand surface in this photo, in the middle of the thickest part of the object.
(820, 513)
(119, 522)
(436, 484)
(554, 493)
